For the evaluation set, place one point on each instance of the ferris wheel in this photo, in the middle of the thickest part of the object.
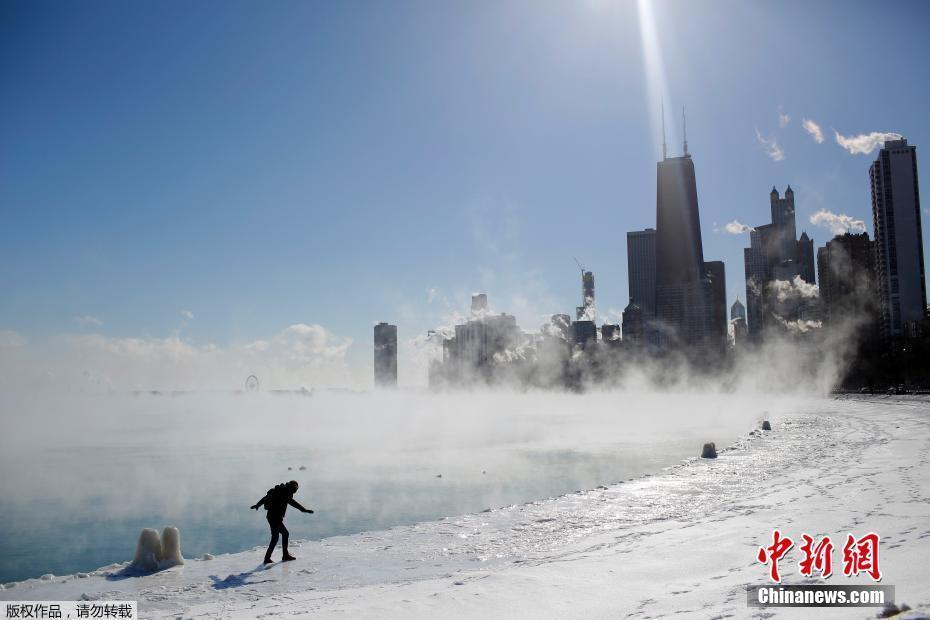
(251, 383)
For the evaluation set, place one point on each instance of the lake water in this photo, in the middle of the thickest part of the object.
(82, 475)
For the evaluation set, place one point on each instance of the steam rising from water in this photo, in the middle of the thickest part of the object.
(107, 465)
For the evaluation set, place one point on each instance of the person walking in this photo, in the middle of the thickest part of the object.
(276, 501)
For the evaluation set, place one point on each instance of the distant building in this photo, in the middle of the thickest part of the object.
(479, 345)
(610, 332)
(385, 355)
(784, 221)
(806, 259)
(738, 321)
(641, 268)
(716, 274)
(634, 325)
(585, 312)
(479, 304)
(685, 300)
(775, 254)
(737, 310)
(899, 254)
(847, 280)
(757, 279)
(584, 334)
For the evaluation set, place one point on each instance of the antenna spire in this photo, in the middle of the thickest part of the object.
(684, 129)
(664, 146)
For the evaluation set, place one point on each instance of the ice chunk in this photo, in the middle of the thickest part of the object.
(148, 551)
(170, 548)
(154, 552)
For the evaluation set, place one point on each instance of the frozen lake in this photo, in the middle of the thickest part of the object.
(82, 475)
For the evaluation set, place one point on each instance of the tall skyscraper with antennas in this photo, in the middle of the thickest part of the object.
(686, 293)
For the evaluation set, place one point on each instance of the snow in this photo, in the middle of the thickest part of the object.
(682, 541)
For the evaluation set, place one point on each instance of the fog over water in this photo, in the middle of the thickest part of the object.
(84, 473)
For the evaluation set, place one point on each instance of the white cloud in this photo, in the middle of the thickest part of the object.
(309, 345)
(783, 119)
(10, 339)
(864, 143)
(88, 321)
(187, 314)
(813, 129)
(737, 228)
(301, 355)
(837, 223)
(771, 147)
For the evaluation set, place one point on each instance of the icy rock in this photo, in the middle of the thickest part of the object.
(82, 575)
(890, 610)
(47, 577)
(709, 451)
(207, 556)
(154, 552)
(439, 475)
(170, 548)
(148, 550)
(766, 426)
(302, 468)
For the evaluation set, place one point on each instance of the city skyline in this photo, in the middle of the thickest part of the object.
(253, 230)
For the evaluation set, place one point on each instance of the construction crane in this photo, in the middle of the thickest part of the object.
(577, 262)
(585, 310)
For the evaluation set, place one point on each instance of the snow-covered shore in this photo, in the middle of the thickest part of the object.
(683, 541)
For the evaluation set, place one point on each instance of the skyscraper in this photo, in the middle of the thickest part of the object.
(716, 273)
(806, 259)
(899, 254)
(775, 254)
(783, 218)
(385, 355)
(737, 310)
(684, 298)
(633, 325)
(756, 281)
(847, 280)
(641, 268)
(738, 320)
(586, 311)
(679, 251)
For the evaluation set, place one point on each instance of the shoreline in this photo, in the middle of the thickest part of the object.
(480, 563)
(116, 566)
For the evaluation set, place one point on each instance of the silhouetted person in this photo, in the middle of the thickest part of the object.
(276, 501)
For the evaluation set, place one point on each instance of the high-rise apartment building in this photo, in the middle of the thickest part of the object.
(641, 268)
(385, 355)
(899, 254)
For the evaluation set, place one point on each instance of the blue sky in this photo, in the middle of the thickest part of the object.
(337, 164)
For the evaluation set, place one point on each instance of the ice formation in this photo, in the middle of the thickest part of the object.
(170, 548)
(154, 552)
